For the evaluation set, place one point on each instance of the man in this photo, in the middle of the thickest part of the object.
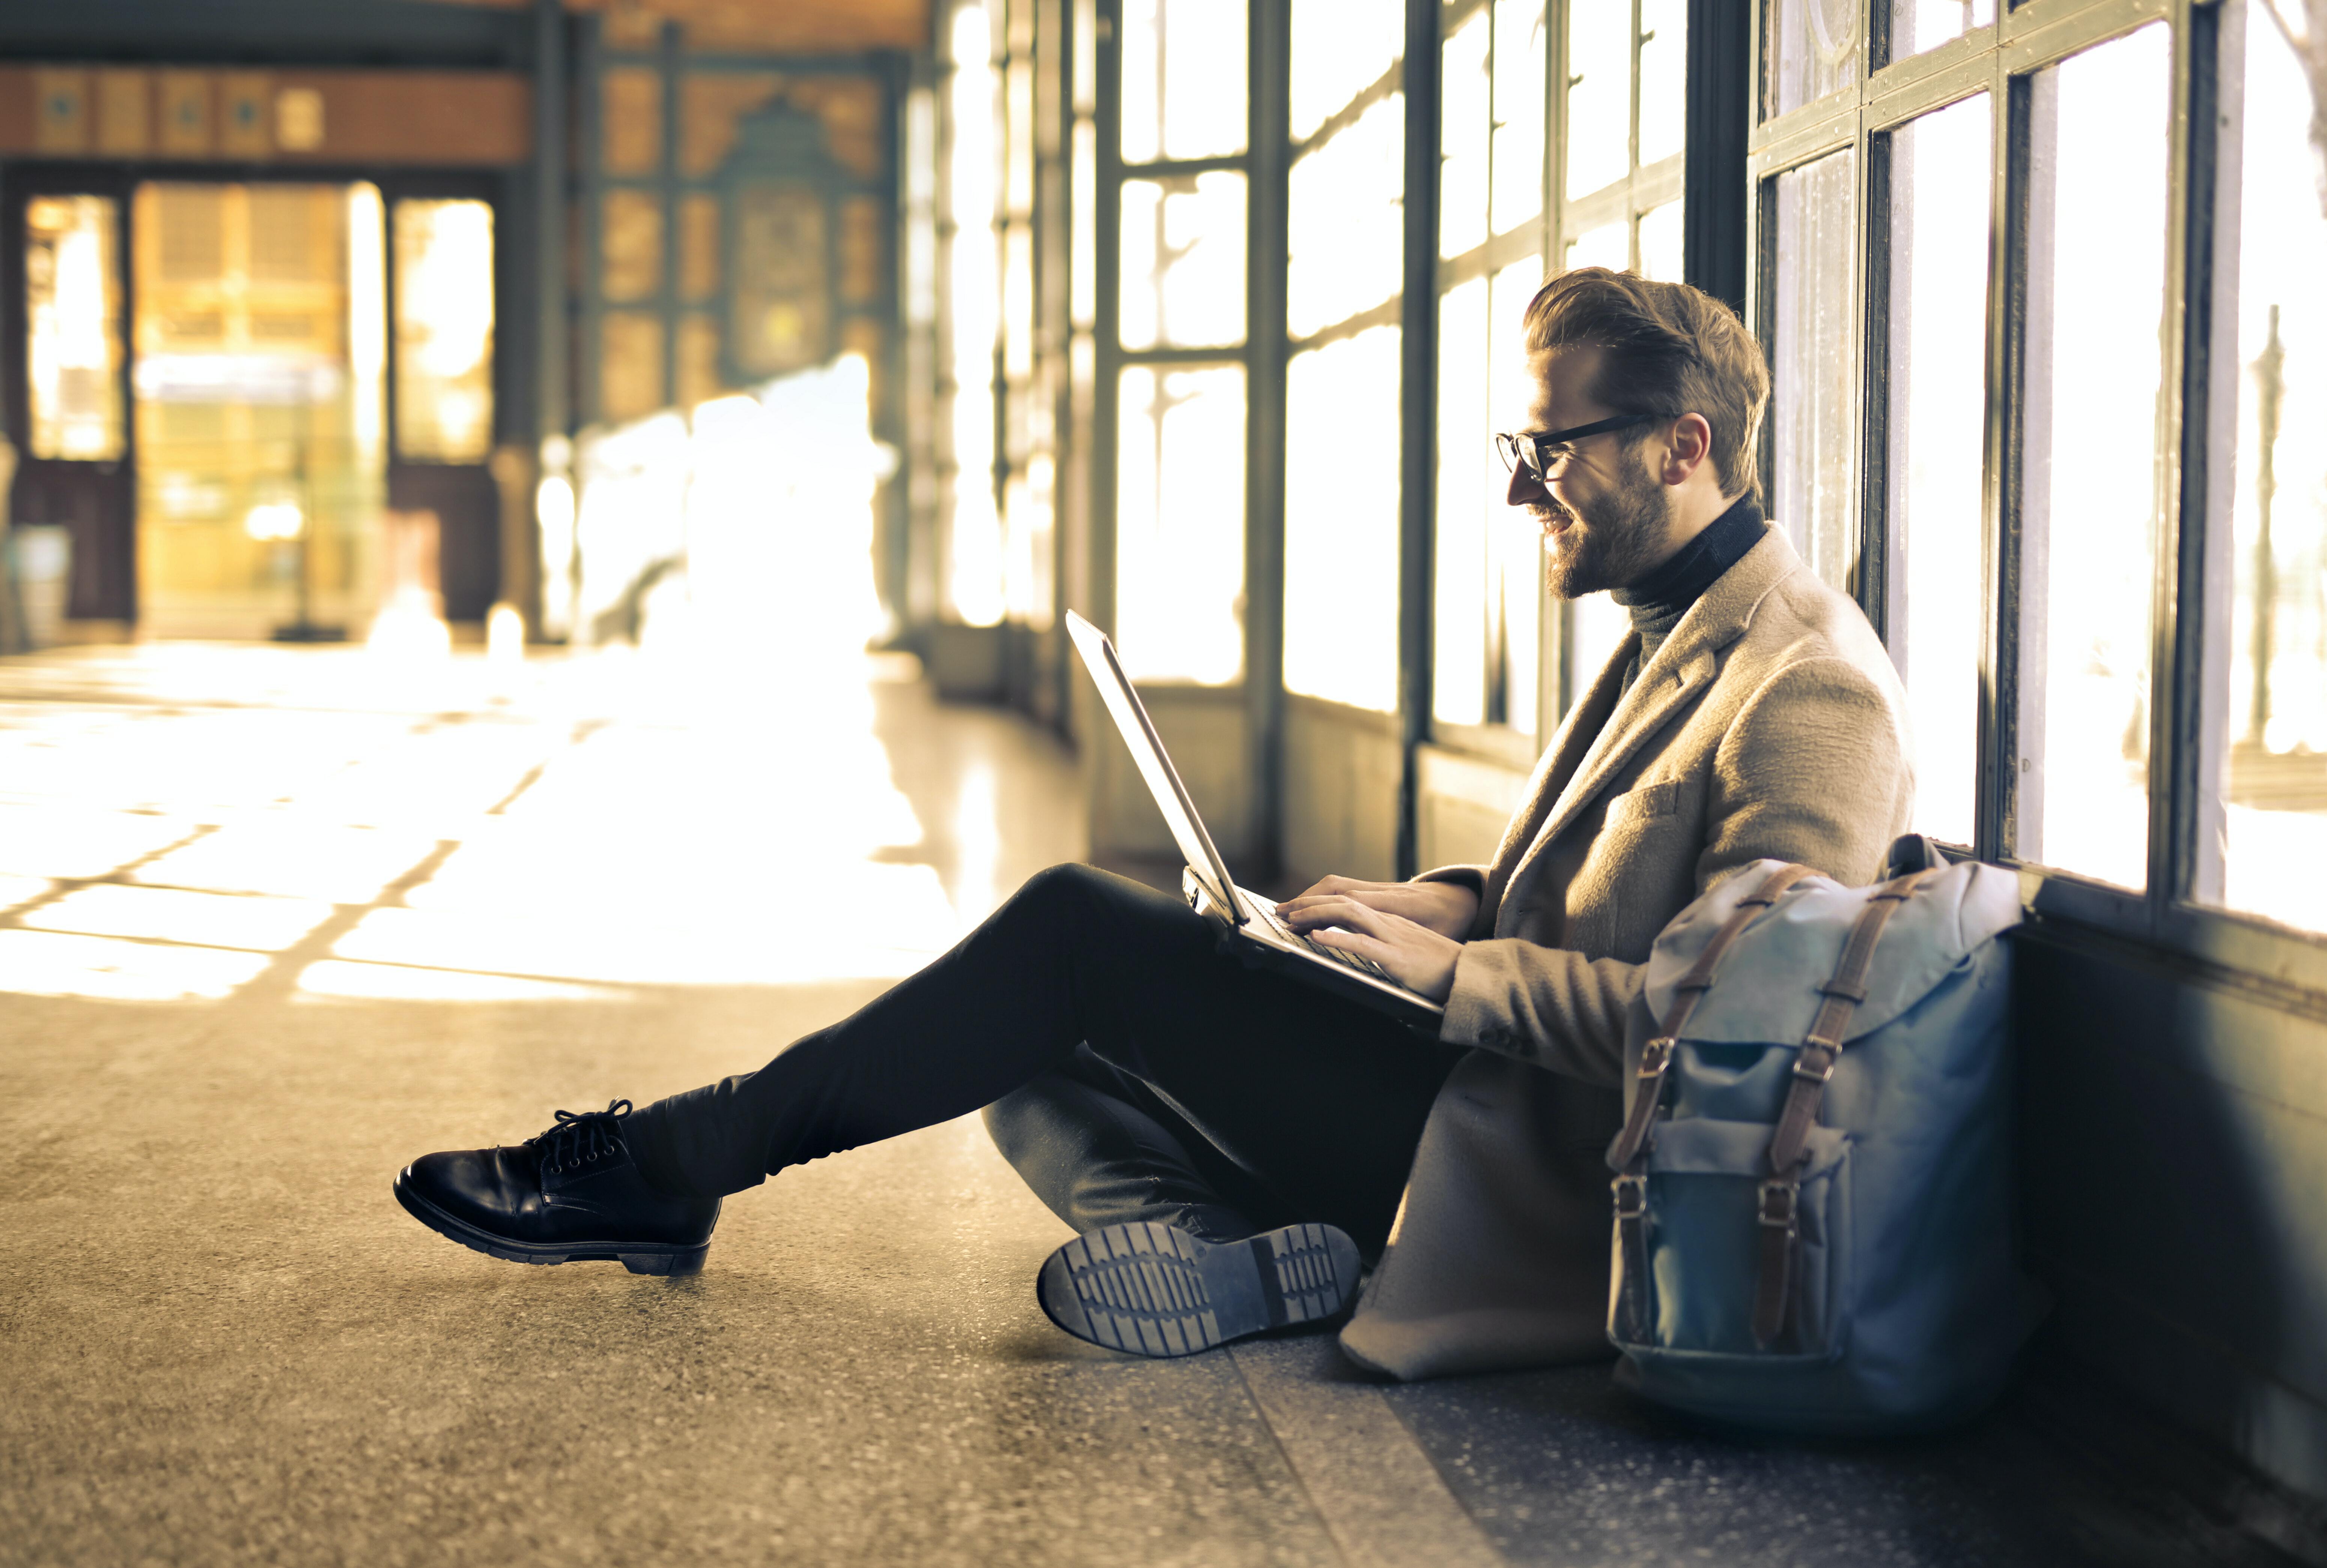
(1233, 1146)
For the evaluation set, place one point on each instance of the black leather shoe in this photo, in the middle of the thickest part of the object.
(1150, 1288)
(571, 1195)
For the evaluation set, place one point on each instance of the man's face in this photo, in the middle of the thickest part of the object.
(1604, 516)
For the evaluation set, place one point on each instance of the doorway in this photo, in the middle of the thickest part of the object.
(253, 409)
(258, 398)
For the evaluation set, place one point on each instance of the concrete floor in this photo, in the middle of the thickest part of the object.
(277, 920)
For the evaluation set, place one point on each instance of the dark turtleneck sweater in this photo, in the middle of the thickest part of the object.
(1659, 599)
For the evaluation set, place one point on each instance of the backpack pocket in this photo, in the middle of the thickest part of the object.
(1703, 1242)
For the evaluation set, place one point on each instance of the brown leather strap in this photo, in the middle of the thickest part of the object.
(1629, 1157)
(1656, 1057)
(1632, 1189)
(1813, 1066)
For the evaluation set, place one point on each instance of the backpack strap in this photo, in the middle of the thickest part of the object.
(1813, 1066)
(1629, 1155)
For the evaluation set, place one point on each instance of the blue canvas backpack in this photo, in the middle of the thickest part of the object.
(1813, 1185)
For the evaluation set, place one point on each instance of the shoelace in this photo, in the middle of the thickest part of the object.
(582, 1138)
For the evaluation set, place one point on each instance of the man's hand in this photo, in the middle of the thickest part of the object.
(1445, 907)
(1413, 930)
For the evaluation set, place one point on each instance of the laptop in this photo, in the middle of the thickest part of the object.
(1250, 927)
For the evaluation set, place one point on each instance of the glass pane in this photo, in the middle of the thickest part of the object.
(1514, 540)
(1519, 65)
(1596, 625)
(1347, 221)
(974, 544)
(443, 330)
(2098, 177)
(1341, 521)
(1179, 523)
(1814, 390)
(1813, 49)
(1468, 489)
(1466, 123)
(1939, 414)
(1599, 96)
(1340, 48)
(72, 307)
(1183, 261)
(1664, 79)
(1183, 79)
(1605, 246)
(2274, 785)
(1083, 265)
(1660, 243)
(1917, 26)
(259, 317)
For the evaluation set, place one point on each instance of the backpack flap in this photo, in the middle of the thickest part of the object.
(1768, 992)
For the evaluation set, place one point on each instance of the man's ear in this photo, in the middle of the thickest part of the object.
(1690, 445)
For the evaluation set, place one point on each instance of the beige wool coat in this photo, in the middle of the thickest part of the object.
(1770, 725)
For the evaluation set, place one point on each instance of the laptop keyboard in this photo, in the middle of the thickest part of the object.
(1348, 960)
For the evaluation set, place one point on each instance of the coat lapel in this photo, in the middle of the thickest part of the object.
(1681, 670)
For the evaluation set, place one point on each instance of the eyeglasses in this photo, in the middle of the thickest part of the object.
(1539, 452)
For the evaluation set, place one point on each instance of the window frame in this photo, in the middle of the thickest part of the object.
(2197, 415)
(1502, 742)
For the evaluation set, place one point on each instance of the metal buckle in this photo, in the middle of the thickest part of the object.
(1632, 1196)
(1819, 1073)
(1656, 1056)
(1777, 1204)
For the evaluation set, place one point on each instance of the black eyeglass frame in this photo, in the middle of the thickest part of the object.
(1527, 449)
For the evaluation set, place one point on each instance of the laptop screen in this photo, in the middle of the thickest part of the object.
(1130, 715)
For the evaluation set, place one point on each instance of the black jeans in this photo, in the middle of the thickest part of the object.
(1129, 1070)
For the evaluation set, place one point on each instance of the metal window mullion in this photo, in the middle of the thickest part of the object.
(1418, 405)
(2208, 576)
(1563, 677)
(558, 371)
(1106, 330)
(1266, 237)
(1632, 215)
(1875, 228)
(2178, 620)
(1860, 251)
(2003, 752)
(666, 200)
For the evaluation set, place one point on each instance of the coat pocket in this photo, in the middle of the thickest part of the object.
(1647, 801)
(1704, 1234)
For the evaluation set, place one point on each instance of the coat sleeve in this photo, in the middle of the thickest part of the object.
(1814, 770)
(1474, 877)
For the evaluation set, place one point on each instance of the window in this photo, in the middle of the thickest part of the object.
(1487, 654)
(1917, 26)
(1626, 121)
(1627, 118)
(1936, 257)
(2273, 694)
(974, 555)
(1812, 427)
(1179, 521)
(443, 330)
(2097, 186)
(1983, 428)
(1180, 391)
(1346, 235)
(72, 291)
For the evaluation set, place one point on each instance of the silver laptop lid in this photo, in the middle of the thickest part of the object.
(1130, 715)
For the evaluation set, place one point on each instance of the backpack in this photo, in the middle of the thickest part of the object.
(1813, 1227)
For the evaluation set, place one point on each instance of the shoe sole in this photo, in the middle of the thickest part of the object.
(1150, 1289)
(639, 1257)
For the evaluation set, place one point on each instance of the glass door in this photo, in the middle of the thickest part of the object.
(72, 503)
(440, 482)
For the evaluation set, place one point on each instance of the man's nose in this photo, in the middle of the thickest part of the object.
(1525, 490)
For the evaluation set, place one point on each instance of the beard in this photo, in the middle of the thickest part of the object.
(1616, 545)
